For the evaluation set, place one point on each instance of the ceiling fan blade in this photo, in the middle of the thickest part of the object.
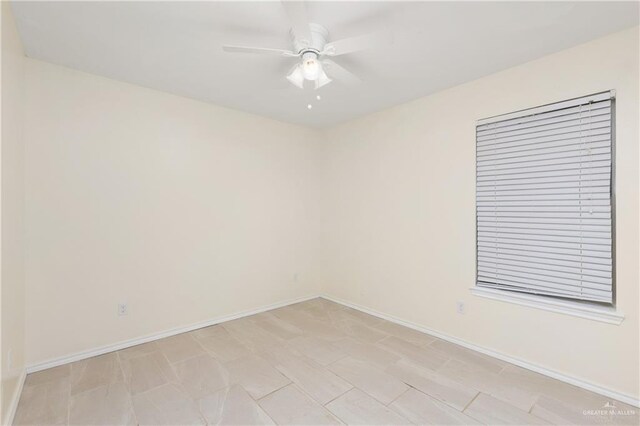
(297, 13)
(261, 50)
(339, 73)
(354, 44)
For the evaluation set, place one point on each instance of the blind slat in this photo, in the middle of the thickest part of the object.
(548, 221)
(540, 284)
(546, 228)
(548, 111)
(578, 249)
(560, 140)
(543, 120)
(575, 239)
(576, 177)
(575, 217)
(545, 262)
(534, 190)
(574, 269)
(514, 170)
(595, 283)
(552, 147)
(579, 124)
(578, 275)
(576, 131)
(583, 200)
(542, 254)
(547, 292)
(574, 154)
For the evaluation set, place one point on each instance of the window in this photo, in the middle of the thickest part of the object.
(544, 200)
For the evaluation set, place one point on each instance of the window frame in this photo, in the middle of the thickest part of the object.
(600, 311)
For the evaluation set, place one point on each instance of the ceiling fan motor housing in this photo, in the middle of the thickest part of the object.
(319, 35)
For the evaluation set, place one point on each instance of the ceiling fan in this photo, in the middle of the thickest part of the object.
(311, 44)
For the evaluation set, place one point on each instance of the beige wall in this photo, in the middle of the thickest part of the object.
(400, 237)
(184, 210)
(12, 292)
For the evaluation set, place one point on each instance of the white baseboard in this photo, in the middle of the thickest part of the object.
(627, 399)
(54, 362)
(13, 405)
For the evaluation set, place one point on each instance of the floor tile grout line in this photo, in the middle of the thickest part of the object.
(188, 358)
(438, 400)
(128, 386)
(266, 413)
(342, 394)
(306, 393)
(470, 402)
(434, 397)
(198, 405)
(534, 404)
(474, 417)
(431, 397)
(409, 387)
(362, 390)
(271, 392)
(69, 399)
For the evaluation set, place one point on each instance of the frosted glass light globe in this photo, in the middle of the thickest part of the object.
(311, 68)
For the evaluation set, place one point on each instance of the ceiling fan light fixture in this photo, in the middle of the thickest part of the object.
(322, 80)
(296, 77)
(311, 67)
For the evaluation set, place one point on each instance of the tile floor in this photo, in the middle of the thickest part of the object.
(315, 362)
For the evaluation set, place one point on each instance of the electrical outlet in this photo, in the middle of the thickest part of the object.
(123, 309)
(295, 277)
(460, 307)
(10, 359)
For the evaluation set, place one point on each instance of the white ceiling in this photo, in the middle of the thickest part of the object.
(175, 47)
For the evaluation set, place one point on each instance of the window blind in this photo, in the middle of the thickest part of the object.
(544, 200)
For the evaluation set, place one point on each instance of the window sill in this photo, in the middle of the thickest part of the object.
(577, 309)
